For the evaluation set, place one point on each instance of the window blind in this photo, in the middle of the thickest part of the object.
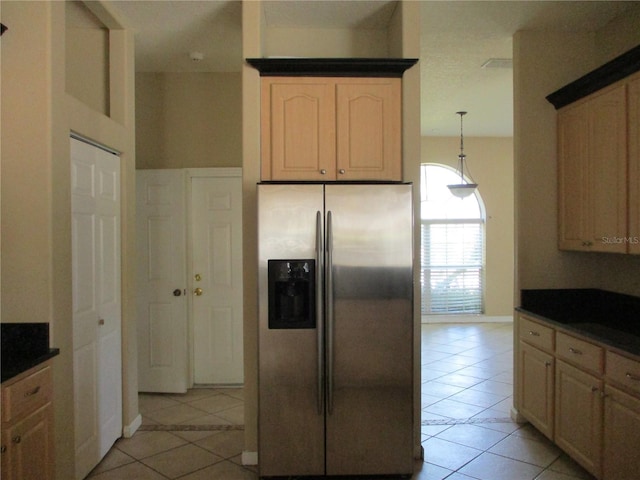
(452, 270)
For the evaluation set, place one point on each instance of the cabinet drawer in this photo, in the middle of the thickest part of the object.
(535, 333)
(27, 394)
(623, 370)
(581, 353)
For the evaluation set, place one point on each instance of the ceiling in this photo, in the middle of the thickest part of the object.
(457, 37)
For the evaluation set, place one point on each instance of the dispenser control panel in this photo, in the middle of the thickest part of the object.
(292, 294)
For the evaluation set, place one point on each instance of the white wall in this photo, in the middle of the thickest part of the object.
(188, 120)
(544, 62)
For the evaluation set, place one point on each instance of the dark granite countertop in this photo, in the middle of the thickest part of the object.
(607, 317)
(24, 345)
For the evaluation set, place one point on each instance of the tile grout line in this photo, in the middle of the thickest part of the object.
(188, 428)
(466, 421)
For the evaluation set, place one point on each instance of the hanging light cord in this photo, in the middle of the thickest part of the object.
(462, 156)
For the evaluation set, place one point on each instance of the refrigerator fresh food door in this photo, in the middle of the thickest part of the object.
(291, 397)
(369, 424)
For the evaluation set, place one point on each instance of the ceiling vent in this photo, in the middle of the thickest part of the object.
(498, 63)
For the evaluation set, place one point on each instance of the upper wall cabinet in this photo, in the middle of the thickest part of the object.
(592, 173)
(332, 120)
(599, 159)
(327, 129)
(633, 101)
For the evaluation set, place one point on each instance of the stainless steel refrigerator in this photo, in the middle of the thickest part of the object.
(335, 329)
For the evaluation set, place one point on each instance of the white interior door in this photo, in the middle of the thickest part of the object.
(216, 283)
(161, 303)
(97, 356)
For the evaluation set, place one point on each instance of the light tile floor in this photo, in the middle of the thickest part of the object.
(467, 377)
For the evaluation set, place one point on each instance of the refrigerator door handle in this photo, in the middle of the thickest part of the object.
(319, 311)
(329, 310)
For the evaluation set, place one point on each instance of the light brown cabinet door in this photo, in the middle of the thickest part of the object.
(634, 165)
(298, 129)
(536, 388)
(28, 447)
(578, 416)
(621, 435)
(573, 177)
(608, 171)
(592, 173)
(369, 129)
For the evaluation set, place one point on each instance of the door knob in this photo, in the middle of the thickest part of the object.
(177, 292)
(197, 292)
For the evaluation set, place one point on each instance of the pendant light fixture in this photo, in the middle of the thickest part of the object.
(462, 189)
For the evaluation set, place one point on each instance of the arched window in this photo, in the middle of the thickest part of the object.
(452, 260)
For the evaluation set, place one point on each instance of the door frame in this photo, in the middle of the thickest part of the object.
(217, 172)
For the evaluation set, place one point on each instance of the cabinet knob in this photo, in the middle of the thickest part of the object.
(534, 334)
(594, 389)
(3, 448)
(197, 292)
(16, 439)
(341, 171)
(631, 376)
(547, 363)
(323, 171)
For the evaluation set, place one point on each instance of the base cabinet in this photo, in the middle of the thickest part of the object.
(578, 418)
(536, 391)
(583, 395)
(28, 455)
(622, 435)
(27, 427)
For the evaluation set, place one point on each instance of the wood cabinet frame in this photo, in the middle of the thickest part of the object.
(331, 128)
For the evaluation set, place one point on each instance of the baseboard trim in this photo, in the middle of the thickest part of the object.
(129, 430)
(466, 319)
(516, 416)
(249, 458)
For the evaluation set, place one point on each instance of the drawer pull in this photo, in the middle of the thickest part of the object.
(534, 334)
(32, 392)
(575, 351)
(16, 439)
(631, 376)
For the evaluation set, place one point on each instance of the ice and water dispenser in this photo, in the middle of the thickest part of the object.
(291, 294)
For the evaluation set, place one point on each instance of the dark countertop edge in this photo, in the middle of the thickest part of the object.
(332, 67)
(23, 364)
(632, 348)
(620, 67)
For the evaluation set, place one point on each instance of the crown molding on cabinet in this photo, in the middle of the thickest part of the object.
(617, 69)
(332, 67)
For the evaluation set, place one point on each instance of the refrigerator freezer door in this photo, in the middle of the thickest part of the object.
(370, 337)
(291, 427)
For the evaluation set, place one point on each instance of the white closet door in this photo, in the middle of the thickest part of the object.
(97, 370)
(216, 228)
(160, 289)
